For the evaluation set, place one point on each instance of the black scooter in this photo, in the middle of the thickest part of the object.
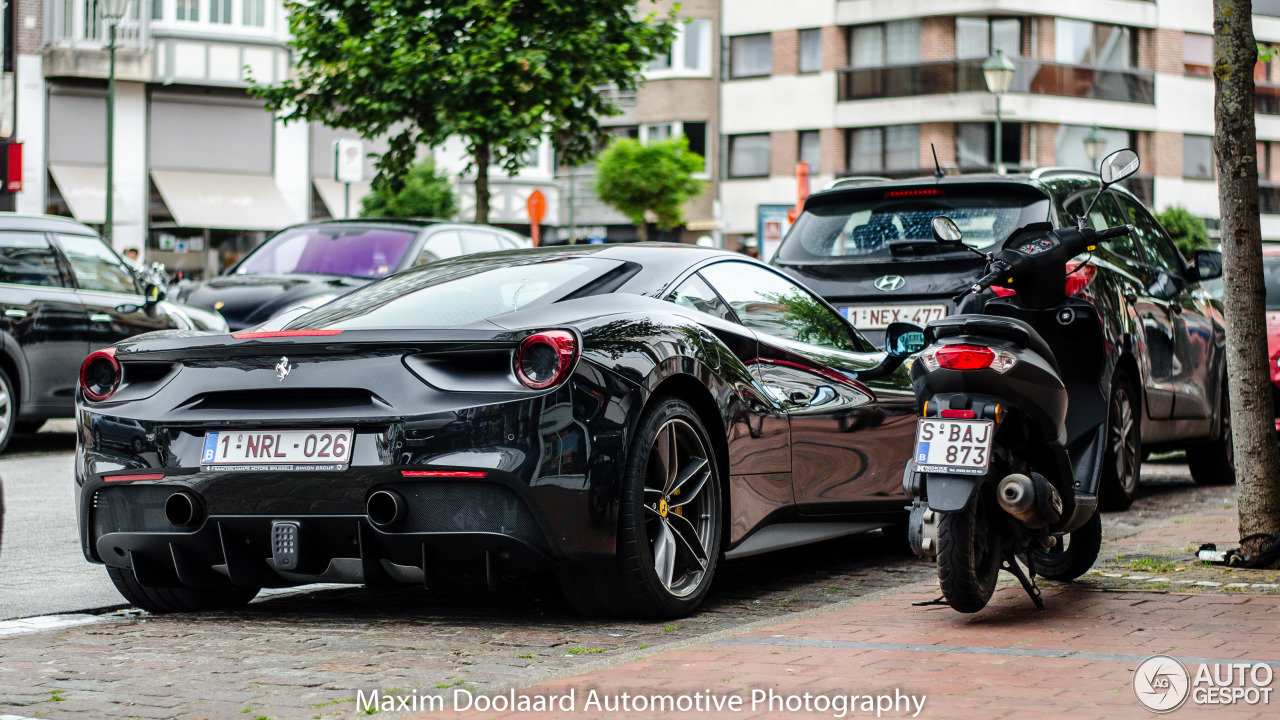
(1010, 440)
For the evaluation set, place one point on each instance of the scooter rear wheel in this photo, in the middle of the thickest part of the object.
(969, 552)
(1065, 564)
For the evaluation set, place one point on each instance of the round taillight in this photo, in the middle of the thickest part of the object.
(545, 359)
(965, 357)
(100, 375)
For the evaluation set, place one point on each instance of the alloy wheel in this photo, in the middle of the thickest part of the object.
(6, 410)
(678, 515)
(1124, 440)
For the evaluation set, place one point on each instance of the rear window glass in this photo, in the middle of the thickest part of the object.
(1271, 271)
(453, 293)
(868, 224)
(354, 251)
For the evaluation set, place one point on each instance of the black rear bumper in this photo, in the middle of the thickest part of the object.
(452, 528)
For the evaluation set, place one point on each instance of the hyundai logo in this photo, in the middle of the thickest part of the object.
(889, 283)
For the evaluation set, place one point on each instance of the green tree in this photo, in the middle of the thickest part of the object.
(424, 194)
(499, 74)
(639, 179)
(1252, 428)
(1188, 231)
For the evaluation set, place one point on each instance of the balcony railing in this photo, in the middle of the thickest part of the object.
(1031, 77)
(79, 24)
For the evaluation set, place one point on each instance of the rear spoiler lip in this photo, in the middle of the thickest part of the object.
(350, 342)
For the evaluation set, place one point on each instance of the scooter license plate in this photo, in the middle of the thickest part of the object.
(957, 447)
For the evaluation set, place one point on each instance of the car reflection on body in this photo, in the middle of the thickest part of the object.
(626, 416)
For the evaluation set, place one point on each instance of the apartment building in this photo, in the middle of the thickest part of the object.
(679, 96)
(874, 87)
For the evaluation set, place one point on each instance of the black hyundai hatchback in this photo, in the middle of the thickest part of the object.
(868, 249)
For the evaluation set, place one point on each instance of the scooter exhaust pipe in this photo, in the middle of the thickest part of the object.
(182, 509)
(386, 508)
(1031, 500)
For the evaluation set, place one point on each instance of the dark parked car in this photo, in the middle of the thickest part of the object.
(869, 250)
(307, 265)
(625, 415)
(63, 293)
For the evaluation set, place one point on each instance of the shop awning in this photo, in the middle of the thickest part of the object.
(331, 192)
(84, 189)
(223, 201)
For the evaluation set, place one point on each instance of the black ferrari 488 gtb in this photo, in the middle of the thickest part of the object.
(626, 416)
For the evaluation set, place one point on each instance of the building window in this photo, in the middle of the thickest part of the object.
(157, 9)
(895, 43)
(1264, 161)
(187, 10)
(811, 150)
(1197, 54)
(890, 149)
(751, 56)
(1080, 42)
(220, 11)
(697, 134)
(1197, 156)
(1069, 147)
(749, 156)
(982, 37)
(657, 132)
(254, 13)
(975, 145)
(690, 52)
(810, 50)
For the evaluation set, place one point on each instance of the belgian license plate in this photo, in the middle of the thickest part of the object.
(277, 449)
(958, 447)
(878, 317)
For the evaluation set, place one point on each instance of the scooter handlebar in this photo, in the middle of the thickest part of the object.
(1114, 232)
(998, 269)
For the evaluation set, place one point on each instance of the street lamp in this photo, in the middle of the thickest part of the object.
(112, 12)
(998, 71)
(1095, 143)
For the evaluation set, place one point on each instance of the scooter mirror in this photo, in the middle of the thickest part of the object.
(902, 339)
(946, 231)
(1118, 166)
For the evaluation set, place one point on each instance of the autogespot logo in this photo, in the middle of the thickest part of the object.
(1161, 684)
(890, 283)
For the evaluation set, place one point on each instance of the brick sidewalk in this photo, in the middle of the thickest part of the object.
(1075, 660)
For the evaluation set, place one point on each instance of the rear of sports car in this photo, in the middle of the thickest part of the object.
(414, 430)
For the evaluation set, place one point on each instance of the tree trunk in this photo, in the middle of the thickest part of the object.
(642, 231)
(1257, 464)
(483, 151)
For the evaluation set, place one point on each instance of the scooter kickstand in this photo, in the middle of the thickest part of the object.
(925, 603)
(1010, 563)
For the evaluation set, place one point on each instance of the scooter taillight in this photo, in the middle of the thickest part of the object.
(1078, 278)
(968, 357)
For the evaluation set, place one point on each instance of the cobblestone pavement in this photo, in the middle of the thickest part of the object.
(305, 654)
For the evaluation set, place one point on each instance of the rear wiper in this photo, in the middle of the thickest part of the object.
(918, 247)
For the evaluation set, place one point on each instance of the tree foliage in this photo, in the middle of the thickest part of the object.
(1188, 231)
(425, 194)
(500, 74)
(656, 178)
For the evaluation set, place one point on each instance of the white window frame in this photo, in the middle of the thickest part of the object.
(205, 25)
(678, 68)
(677, 130)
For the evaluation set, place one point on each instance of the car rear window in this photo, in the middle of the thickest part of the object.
(454, 293)
(353, 251)
(866, 224)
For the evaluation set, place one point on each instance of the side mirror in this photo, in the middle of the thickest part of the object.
(1118, 166)
(153, 294)
(1208, 264)
(903, 339)
(946, 231)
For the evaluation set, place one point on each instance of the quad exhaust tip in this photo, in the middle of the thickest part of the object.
(386, 508)
(182, 509)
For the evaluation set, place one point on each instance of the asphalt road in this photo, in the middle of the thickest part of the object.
(43, 572)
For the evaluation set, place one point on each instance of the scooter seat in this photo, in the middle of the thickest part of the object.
(998, 328)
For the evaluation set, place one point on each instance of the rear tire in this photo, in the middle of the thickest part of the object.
(1214, 463)
(162, 600)
(8, 410)
(1065, 564)
(969, 554)
(657, 572)
(1122, 463)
